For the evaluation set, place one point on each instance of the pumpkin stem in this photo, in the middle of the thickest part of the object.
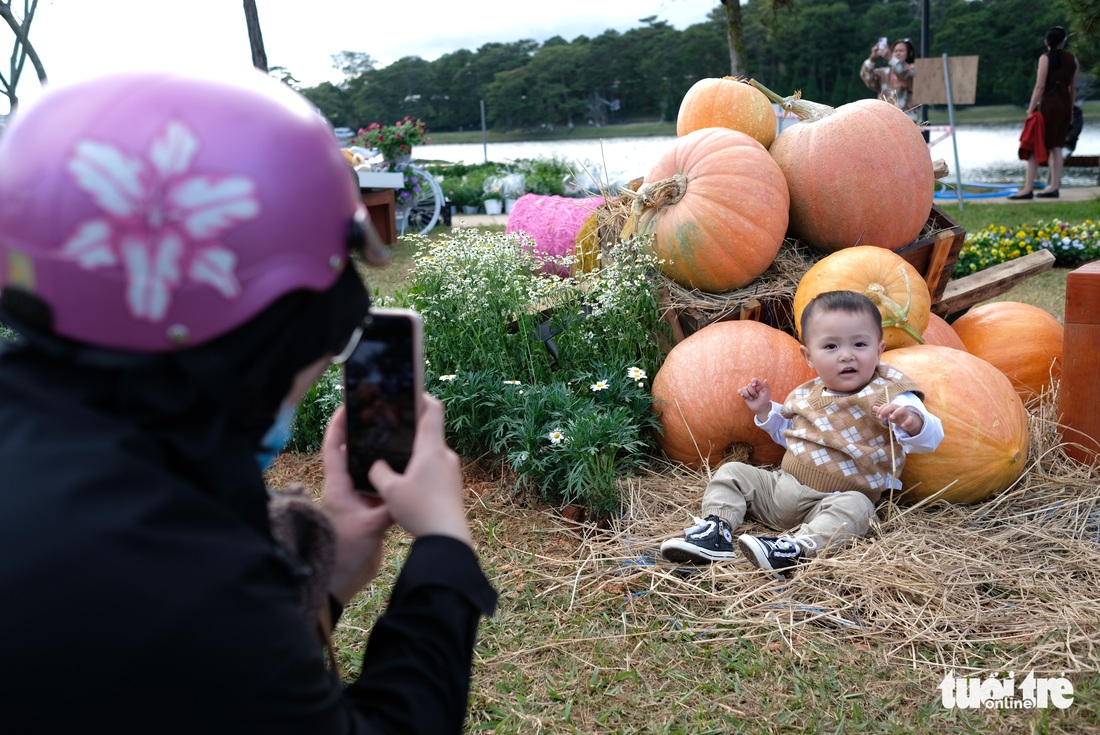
(897, 315)
(804, 109)
(652, 196)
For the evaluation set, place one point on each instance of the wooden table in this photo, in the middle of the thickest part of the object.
(378, 197)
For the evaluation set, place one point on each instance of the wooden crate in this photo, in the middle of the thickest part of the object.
(933, 255)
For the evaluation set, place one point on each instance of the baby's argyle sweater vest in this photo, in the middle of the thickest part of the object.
(836, 441)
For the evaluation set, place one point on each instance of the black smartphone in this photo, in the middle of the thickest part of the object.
(383, 385)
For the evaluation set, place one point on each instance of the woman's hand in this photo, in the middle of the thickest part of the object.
(360, 521)
(427, 499)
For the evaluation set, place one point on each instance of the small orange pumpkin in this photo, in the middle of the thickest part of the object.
(695, 390)
(727, 102)
(859, 174)
(1022, 341)
(939, 332)
(716, 205)
(883, 276)
(985, 444)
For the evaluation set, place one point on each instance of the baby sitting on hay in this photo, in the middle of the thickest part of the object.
(840, 456)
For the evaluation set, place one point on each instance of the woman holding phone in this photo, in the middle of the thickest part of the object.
(176, 254)
(891, 80)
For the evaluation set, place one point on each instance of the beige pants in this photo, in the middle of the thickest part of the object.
(779, 501)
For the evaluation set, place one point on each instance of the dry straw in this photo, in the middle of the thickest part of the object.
(933, 585)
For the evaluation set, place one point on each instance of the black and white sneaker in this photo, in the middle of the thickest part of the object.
(775, 554)
(710, 539)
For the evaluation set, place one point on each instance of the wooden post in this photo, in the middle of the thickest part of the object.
(1079, 393)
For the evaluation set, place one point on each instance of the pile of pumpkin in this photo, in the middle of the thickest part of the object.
(855, 183)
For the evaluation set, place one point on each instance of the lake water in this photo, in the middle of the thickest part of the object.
(987, 154)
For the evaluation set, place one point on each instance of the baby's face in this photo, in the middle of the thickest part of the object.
(843, 348)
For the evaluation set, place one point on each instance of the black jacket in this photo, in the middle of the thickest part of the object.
(135, 600)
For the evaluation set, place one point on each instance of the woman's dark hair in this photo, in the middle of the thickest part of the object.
(911, 53)
(849, 301)
(1055, 37)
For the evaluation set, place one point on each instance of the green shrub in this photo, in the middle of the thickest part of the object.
(544, 176)
(539, 175)
(314, 411)
(549, 374)
(462, 193)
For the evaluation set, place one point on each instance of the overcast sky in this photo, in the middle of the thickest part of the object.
(78, 38)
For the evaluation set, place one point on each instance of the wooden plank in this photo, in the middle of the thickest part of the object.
(940, 250)
(1079, 391)
(977, 287)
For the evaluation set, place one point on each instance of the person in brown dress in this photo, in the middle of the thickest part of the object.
(1054, 96)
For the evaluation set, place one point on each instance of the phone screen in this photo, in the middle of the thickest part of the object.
(383, 380)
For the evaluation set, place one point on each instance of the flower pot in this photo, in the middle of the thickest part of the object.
(494, 206)
(508, 204)
(469, 209)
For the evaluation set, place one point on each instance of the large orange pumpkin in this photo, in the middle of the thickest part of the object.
(859, 174)
(695, 390)
(883, 276)
(939, 332)
(727, 103)
(1022, 341)
(716, 205)
(985, 443)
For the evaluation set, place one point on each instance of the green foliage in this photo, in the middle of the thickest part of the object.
(462, 193)
(7, 334)
(544, 176)
(642, 74)
(466, 184)
(1070, 244)
(315, 410)
(548, 373)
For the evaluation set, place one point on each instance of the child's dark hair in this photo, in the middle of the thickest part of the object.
(849, 301)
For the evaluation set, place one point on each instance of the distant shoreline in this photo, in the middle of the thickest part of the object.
(937, 115)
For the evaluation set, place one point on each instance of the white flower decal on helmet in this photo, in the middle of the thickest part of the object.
(160, 223)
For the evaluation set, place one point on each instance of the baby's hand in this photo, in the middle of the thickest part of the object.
(901, 416)
(758, 397)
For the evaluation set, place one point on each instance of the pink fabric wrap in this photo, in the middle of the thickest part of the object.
(551, 223)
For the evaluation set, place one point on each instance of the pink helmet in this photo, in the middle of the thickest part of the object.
(156, 211)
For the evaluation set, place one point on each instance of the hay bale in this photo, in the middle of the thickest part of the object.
(600, 231)
(551, 223)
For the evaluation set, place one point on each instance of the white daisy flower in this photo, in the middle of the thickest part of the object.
(635, 373)
(598, 385)
(556, 437)
(446, 378)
